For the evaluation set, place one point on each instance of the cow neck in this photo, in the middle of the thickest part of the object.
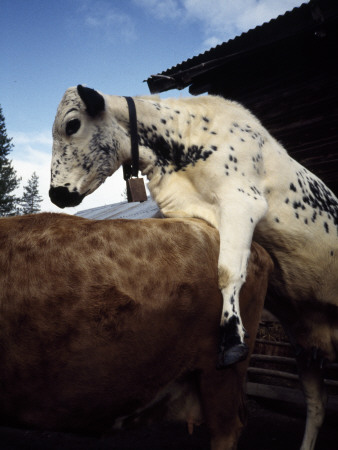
(131, 170)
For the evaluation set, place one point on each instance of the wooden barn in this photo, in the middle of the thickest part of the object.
(285, 71)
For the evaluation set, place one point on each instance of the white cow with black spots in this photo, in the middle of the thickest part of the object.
(199, 163)
(210, 158)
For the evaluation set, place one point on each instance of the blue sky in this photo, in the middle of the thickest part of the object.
(111, 45)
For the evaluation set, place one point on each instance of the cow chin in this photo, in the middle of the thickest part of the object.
(62, 198)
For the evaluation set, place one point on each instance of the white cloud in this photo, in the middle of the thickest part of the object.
(212, 41)
(253, 13)
(163, 9)
(220, 20)
(43, 138)
(100, 16)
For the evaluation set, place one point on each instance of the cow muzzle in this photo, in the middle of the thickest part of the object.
(62, 198)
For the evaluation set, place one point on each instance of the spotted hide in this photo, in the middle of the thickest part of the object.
(105, 324)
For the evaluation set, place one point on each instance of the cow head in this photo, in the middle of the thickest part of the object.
(86, 146)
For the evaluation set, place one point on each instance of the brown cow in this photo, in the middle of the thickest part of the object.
(108, 323)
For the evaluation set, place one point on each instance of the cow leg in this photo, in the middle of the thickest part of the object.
(222, 396)
(232, 333)
(222, 391)
(238, 219)
(311, 378)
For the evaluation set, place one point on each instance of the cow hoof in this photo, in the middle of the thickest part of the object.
(232, 355)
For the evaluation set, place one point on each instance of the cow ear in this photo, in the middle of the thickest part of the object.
(92, 99)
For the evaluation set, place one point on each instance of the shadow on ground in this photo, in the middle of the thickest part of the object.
(267, 429)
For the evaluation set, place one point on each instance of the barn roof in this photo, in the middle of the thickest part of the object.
(122, 210)
(285, 72)
(309, 18)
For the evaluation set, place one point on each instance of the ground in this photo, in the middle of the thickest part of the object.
(270, 427)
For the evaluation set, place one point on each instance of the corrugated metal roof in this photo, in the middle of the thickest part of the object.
(123, 210)
(305, 17)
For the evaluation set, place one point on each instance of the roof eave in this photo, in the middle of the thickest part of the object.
(311, 19)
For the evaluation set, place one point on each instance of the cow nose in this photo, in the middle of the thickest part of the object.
(61, 197)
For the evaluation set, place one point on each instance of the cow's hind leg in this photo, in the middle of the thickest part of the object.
(311, 377)
(238, 218)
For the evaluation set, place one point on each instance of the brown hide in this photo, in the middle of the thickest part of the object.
(97, 317)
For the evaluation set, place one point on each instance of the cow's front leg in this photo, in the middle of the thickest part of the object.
(238, 218)
(232, 333)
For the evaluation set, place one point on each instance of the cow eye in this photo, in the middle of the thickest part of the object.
(72, 126)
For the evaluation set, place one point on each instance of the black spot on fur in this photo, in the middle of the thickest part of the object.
(170, 152)
(255, 190)
(229, 336)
